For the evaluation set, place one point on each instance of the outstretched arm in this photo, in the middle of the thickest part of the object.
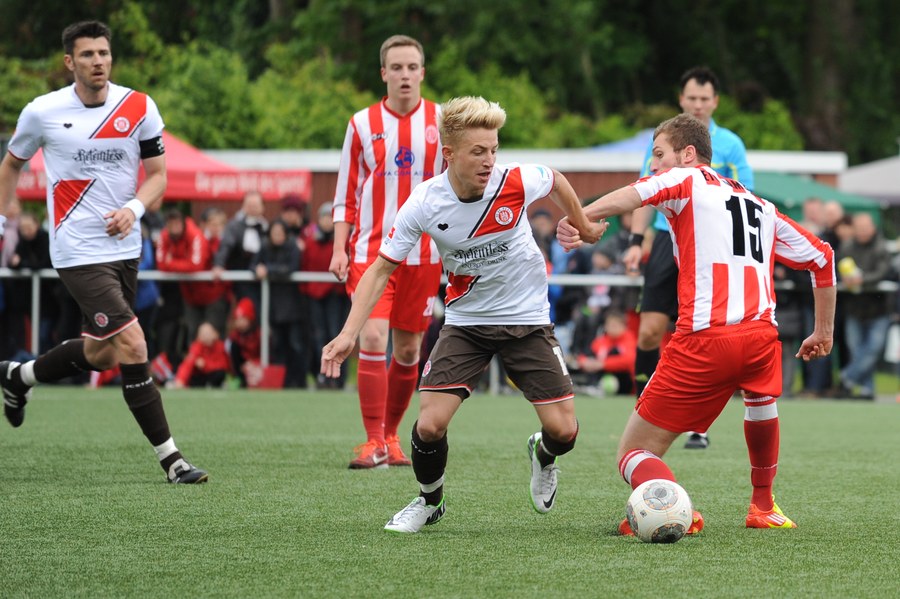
(564, 196)
(622, 200)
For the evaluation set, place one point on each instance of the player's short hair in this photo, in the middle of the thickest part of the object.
(91, 29)
(686, 130)
(702, 75)
(468, 112)
(401, 40)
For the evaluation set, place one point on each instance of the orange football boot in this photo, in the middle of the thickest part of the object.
(695, 527)
(396, 457)
(774, 518)
(370, 454)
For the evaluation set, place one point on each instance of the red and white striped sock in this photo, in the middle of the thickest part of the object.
(638, 466)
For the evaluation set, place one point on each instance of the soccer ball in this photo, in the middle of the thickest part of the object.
(659, 511)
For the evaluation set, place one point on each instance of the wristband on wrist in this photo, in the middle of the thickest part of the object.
(136, 206)
(635, 239)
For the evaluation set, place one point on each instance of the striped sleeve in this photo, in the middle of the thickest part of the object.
(350, 177)
(801, 250)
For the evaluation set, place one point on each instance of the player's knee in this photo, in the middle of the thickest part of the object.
(429, 430)
(560, 440)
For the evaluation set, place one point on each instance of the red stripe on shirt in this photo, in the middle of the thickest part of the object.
(751, 294)
(505, 211)
(351, 205)
(719, 311)
(124, 118)
(376, 127)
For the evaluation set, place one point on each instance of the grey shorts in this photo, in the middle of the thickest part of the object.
(530, 354)
(105, 294)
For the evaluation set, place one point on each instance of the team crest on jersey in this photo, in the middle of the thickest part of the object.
(431, 134)
(427, 368)
(121, 124)
(503, 215)
(404, 157)
(101, 320)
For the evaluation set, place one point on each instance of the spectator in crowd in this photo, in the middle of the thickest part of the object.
(276, 261)
(206, 363)
(612, 355)
(242, 239)
(328, 303)
(294, 216)
(601, 298)
(243, 342)
(184, 249)
(791, 303)
(147, 299)
(863, 262)
(813, 219)
(32, 252)
(213, 222)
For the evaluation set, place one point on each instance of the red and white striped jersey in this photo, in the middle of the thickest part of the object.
(385, 155)
(496, 272)
(92, 158)
(726, 242)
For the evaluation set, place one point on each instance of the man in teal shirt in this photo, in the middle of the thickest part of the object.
(659, 303)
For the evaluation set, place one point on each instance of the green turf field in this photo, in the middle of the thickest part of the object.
(85, 511)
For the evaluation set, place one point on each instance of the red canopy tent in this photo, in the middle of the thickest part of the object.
(193, 175)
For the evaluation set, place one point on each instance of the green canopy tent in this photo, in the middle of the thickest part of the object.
(789, 192)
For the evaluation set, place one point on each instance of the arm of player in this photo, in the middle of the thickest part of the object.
(148, 197)
(564, 196)
(818, 345)
(370, 288)
(340, 261)
(624, 199)
(10, 169)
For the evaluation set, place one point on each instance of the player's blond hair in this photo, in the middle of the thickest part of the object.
(458, 115)
(401, 40)
(686, 130)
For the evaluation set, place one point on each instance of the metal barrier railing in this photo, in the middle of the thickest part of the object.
(308, 277)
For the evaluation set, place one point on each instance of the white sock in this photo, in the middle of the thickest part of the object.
(165, 449)
(26, 371)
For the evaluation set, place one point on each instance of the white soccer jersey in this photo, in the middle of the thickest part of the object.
(726, 241)
(497, 274)
(92, 157)
(384, 157)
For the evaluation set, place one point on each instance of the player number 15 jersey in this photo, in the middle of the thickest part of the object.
(726, 241)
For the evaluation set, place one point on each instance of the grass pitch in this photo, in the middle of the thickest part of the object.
(85, 511)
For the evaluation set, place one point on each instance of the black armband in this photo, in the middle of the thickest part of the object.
(151, 148)
(635, 239)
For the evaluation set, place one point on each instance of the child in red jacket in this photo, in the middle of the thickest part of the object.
(206, 363)
(243, 341)
(614, 351)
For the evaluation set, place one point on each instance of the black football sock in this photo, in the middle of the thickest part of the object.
(644, 367)
(429, 460)
(550, 448)
(64, 360)
(145, 402)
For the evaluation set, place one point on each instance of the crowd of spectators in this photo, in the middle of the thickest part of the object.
(588, 319)
(205, 333)
(201, 333)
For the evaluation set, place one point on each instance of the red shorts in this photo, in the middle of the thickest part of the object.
(699, 372)
(415, 289)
